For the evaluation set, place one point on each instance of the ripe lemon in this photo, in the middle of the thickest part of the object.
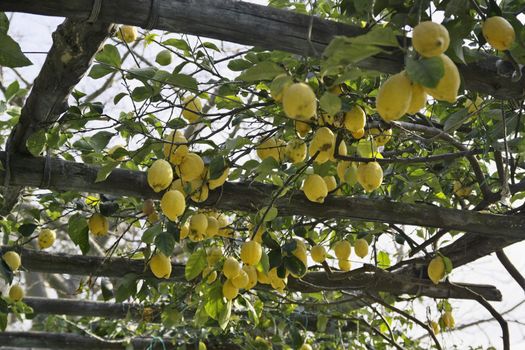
(278, 85)
(164, 58)
(318, 253)
(300, 253)
(98, 224)
(370, 175)
(315, 189)
(209, 274)
(448, 320)
(12, 259)
(337, 89)
(199, 190)
(341, 150)
(153, 217)
(498, 32)
(342, 249)
(198, 225)
(355, 119)
(224, 229)
(358, 134)
(430, 39)
(229, 291)
(251, 253)
(213, 227)
(191, 167)
(324, 143)
(361, 247)
(127, 33)
(160, 265)
(173, 204)
(435, 327)
(331, 183)
(296, 151)
(302, 128)
(344, 265)
(305, 347)
(394, 96)
(214, 255)
(263, 278)
(179, 185)
(241, 280)
(436, 269)
(419, 99)
(231, 267)
(277, 282)
(448, 86)
(175, 147)
(271, 147)
(325, 119)
(347, 172)
(16, 293)
(460, 190)
(381, 137)
(46, 238)
(299, 102)
(473, 106)
(184, 231)
(218, 182)
(191, 108)
(251, 271)
(160, 175)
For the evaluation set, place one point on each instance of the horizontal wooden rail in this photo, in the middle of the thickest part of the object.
(257, 25)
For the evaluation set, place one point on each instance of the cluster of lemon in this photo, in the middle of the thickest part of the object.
(446, 321)
(342, 250)
(13, 261)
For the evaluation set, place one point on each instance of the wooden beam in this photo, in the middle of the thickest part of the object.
(257, 25)
(71, 176)
(366, 278)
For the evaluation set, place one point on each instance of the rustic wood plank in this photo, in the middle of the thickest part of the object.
(257, 25)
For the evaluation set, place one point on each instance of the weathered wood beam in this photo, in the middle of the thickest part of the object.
(366, 278)
(257, 25)
(71, 176)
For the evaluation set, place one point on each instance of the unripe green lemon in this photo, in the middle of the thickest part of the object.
(16, 293)
(164, 58)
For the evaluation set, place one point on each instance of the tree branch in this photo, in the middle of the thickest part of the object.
(511, 269)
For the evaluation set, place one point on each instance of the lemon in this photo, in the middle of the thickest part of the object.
(224, 229)
(430, 39)
(241, 280)
(331, 183)
(498, 32)
(229, 291)
(98, 224)
(259, 234)
(370, 175)
(198, 225)
(473, 106)
(296, 151)
(191, 108)
(231, 267)
(251, 271)
(347, 172)
(175, 147)
(435, 327)
(218, 182)
(436, 269)
(355, 119)
(342, 150)
(199, 190)
(214, 255)
(305, 347)
(324, 143)
(213, 227)
(299, 102)
(127, 33)
(191, 167)
(336, 89)
(160, 265)
(153, 217)
(277, 282)
(184, 231)
(342, 249)
(344, 264)
(448, 86)
(314, 188)
(16, 293)
(46, 238)
(279, 85)
(448, 320)
(460, 190)
(179, 185)
(302, 128)
(300, 253)
(164, 58)
(271, 147)
(358, 134)
(251, 253)
(381, 137)
(210, 275)
(12, 259)
(160, 175)
(361, 247)
(263, 278)
(419, 99)
(173, 204)
(318, 253)
(394, 96)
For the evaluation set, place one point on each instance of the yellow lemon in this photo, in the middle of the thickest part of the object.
(46, 238)
(394, 96)
(241, 280)
(160, 175)
(448, 86)
(318, 253)
(419, 99)
(191, 108)
(199, 190)
(430, 39)
(231, 267)
(324, 143)
(342, 249)
(305, 347)
(184, 231)
(331, 183)
(361, 247)
(435, 327)
(98, 224)
(302, 128)
(153, 217)
(213, 227)
(251, 271)
(370, 176)
(299, 102)
(209, 274)
(127, 33)
(314, 188)
(358, 134)
(381, 137)
(448, 320)
(229, 291)
(344, 265)
(16, 293)
(279, 85)
(460, 190)
(214, 255)
(160, 265)
(198, 226)
(12, 259)
(175, 147)
(271, 147)
(263, 278)
(498, 32)
(436, 269)
(251, 252)
(355, 119)
(473, 106)
(218, 182)
(173, 204)
(191, 167)
(296, 151)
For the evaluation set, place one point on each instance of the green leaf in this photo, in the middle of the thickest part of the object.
(11, 54)
(270, 242)
(100, 70)
(100, 140)
(79, 232)
(141, 93)
(265, 262)
(149, 235)
(12, 89)
(268, 216)
(143, 74)
(383, 260)
(165, 242)
(109, 55)
(126, 288)
(239, 65)
(105, 170)
(211, 46)
(294, 265)
(36, 142)
(455, 120)
(3, 321)
(184, 81)
(215, 305)
(330, 103)
(448, 264)
(27, 230)
(275, 258)
(252, 314)
(177, 43)
(224, 316)
(4, 23)
(425, 71)
(196, 263)
(265, 70)
(216, 167)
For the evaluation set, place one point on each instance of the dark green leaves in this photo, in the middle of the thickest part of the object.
(425, 71)
(27, 230)
(10, 53)
(36, 142)
(330, 103)
(165, 242)
(261, 71)
(78, 231)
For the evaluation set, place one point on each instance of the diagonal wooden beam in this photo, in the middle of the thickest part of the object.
(257, 25)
